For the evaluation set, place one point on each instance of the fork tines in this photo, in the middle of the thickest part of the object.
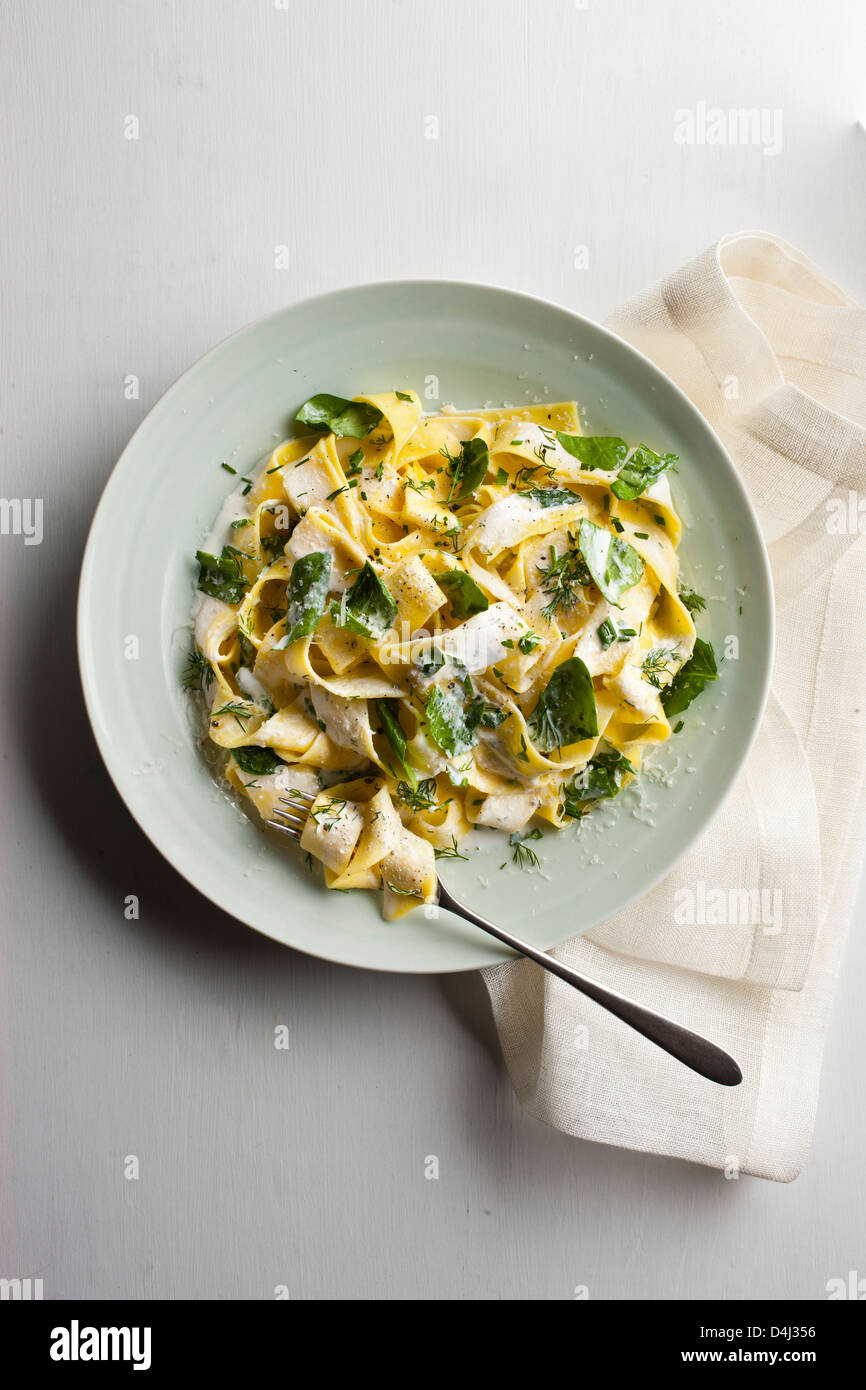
(292, 821)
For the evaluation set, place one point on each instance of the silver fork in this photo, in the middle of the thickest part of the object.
(690, 1048)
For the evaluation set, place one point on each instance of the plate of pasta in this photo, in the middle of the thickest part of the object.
(462, 567)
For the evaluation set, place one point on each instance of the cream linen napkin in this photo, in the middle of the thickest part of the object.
(774, 355)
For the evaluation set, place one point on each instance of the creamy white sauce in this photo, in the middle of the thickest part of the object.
(211, 617)
(639, 693)
(502, 525)
(345, 720)
(477, 643)
(306, 540)
(334, 833)
(250, 685)
(508, 810)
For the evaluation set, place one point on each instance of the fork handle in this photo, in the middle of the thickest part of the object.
(690, 1048)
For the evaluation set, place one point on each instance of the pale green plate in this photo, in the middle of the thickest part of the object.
(460, 343)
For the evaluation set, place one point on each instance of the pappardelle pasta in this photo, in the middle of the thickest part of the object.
(437, 622)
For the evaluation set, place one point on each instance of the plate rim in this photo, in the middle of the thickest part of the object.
(88, 680)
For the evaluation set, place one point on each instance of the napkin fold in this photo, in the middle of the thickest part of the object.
(774, 355)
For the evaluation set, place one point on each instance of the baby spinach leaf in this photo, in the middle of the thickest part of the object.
(468, 470)
(388, 713)
(430, 660)
(601, 778)
(307, 594)
(351, 419)
(690, 679)
(526, 644)
(552, 496)
(641, 471)
(368, 608)
(222, 576)
(257, 760)
(492, 715)
(451, 726)
(594, 450)
(614, 565)
(466, 597)
(565, 712)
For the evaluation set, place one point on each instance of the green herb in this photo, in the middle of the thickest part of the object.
(248, 488)
(562, 577)
(501, 477)
(222, 576)
(380, 470)
(246, 650)
(594, 451)
(692, 601)
(389, 715)
(614, 565)
(329, 811)
(658, 663)
(274, 545)
(238, 708)
(451, 853)
(430, 661)
(228, 468)
(401, 892)
(307, 595)
(198, 672)
(690, 680)
(403, 396)
(492, 715)
(617, 525)
(565, 712)
(466, 597)
(641, 536)
(349, 419)
(468, 470)
(243, 521)
(451, 727)
(526, 644)
(608, 633)
(500, 676)
(522, 855)
(642, 470)
(553, 496)
(355, 462)
(417, 486)
(368, 608)
(657, 516)
(257, 761)
(602, 778)
(421, 797)
(679, 726)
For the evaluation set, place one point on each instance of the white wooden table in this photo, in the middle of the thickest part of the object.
(173, 170)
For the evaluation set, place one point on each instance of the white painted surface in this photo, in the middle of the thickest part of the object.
(304, 127)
